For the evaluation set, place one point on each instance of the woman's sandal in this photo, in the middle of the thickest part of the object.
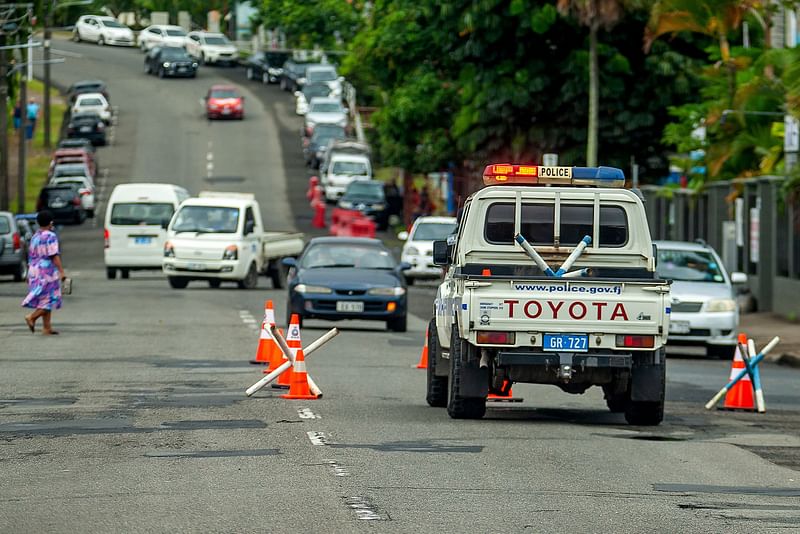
(31, 324)
(50, 333)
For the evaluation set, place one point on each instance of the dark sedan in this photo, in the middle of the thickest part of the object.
(170, 61)
(347, 278)
(266, 66)
(87, 86)
(315, 146)
(368, 198)
(63, 201)
(89, 125)
(293, 75)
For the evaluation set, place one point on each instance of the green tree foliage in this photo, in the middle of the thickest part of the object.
(324, 23)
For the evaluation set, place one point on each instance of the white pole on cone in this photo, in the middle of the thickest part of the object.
(285, 365)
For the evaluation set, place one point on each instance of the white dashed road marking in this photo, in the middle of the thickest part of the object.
(306, 413)
(248, 319)
(338, 470)
(317, 438)
(363, 508)
(210, 160)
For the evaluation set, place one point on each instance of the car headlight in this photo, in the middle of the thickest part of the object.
(194, 65)
(231, 253)
(301, 81)
(377, 207)
(412, 251)
(342, 123)
(721, 305)
(274, 71)
(169, 250)
(166, 64)
(387, 291)
(303, 289)
(346, 204)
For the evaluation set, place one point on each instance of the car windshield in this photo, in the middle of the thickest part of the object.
(69, 170)
(365, 189)
(112, 24)
(321, 75)
(90, 102)
(323, 138)
(5, 226)
(433, 231)
(208, 219)
(174, 53)
(688, 266)
(176, 33)
(329, 129)
(141, 213)
(216, 40)
(350, 167)
(317, 89)
(275, 58)
(224, 93)
(347, 255)
(326, 107)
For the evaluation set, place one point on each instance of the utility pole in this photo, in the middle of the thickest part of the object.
(4, 182)
(22, 163)
(48, 22)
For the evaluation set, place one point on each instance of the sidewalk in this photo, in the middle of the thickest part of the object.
(762, 327)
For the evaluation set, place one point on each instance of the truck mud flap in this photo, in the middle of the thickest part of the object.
(474, 381)
(553, 359)
(647, 383)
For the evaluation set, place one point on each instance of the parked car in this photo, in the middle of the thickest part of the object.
(325, 110)
(347, 278)
(341, 146)
(224, 102)
(342, 170)
(72, 169)
(87, 86)
(26, 222)
(80, 143)
(93, 102)
(418, 247)
(704, 310)
(293, 75)
(13, 248)
(211, 48)
(102, 30)
(315, 147)
(63, 201)
(161, 35)
(81, 158)
(85, 188)
(368, 198)
(266, 66)
(325, 74)
(310, 90)
(88, 125)
(170, 61)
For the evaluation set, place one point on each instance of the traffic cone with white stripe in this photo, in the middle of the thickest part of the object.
(423, 358)
(740, 396)
(299, 388)
(267, 348)
(285, 378)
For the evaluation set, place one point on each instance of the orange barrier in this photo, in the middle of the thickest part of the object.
(267, 349)
(740, 396)
(351, 223)
(299, 388)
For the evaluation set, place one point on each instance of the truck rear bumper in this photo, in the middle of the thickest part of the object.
(556, 359)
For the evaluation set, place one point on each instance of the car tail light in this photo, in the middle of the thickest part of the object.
(636, 342)
(76, 201)
(17, 241)
(85, 192)
(105, 238)
(101, 125)
(488, 337)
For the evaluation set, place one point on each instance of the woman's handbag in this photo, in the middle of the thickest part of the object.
(66, 286)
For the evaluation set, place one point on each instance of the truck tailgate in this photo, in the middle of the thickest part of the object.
(570, 306)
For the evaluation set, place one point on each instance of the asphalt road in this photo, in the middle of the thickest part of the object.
(135, 419)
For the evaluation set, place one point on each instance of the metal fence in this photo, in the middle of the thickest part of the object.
(749, 223)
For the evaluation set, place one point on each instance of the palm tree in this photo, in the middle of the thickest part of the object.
(595, 15)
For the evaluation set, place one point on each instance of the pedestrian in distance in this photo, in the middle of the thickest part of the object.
(17, 116)
(45, 274)
(33, 114)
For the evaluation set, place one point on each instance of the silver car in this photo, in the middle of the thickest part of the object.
(704, 310)
(13, 248)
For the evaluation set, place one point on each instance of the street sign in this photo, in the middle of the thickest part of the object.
(791, 134)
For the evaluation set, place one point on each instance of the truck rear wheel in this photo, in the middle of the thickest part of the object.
(436, 394)
(458, 405)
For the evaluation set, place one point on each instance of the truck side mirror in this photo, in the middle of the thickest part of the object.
(164, 223)
(249, 227)
(441, 253)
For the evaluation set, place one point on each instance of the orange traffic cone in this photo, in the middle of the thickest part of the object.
(267, 346)
(740, 396)
(423, 359)
(276, 357)
(508, 397)
(299, 388)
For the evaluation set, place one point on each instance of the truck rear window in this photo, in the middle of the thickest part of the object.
(538, 226)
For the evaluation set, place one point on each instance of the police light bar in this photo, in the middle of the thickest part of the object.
(508, 174)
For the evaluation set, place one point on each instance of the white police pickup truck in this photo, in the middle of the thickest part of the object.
(550, 279)
(220, 237)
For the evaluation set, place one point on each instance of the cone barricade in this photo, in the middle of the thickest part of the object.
(285, 378)
(423, 359)
(299, 388)
(267, 349)
(740, 396)
(503, 396)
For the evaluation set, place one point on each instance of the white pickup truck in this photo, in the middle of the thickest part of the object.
(220, 237)
(550, 279)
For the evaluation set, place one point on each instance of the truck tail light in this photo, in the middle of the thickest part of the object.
(636, 342)
(105, 238)
(488, 337)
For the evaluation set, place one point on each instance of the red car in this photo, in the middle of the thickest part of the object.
(224, 102)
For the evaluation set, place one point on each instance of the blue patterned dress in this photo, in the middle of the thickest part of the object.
(44, 284)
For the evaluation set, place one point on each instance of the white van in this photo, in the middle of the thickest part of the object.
(343, 169)
(135, 226)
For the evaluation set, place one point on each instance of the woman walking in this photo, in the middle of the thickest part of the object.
(45, 274)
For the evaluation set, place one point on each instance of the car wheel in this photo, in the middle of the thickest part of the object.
(101, 41)
(147, 68)
(22, 271)
(278, 276)
(124, 274)
(436, 394)
(143, 47)
(176, 282)
(283, 84)
(90, 213)
(250, 75)
(265, 78)
(251, 279)
(214, 283)
(202, 58)
(398, 325)
(111, 273)
(161, 72)
(409, 281)
(458, 406)
(76, 36)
